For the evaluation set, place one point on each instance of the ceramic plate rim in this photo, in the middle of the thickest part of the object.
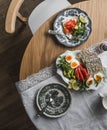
(66, 80)
(90, 24)
(54, 116)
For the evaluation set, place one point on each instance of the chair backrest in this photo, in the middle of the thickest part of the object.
(38, 16)
(45, 10)
(12, 14)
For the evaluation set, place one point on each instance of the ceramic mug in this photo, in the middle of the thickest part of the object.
(104, 100)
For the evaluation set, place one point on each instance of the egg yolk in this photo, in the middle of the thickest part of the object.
(98, 78)
(74, 64)
(89, 82)
(68, 58)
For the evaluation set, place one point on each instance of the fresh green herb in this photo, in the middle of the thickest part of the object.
(63, 64)
(68, 72)
(82, 85)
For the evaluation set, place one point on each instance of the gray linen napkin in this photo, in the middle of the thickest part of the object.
(86, 111)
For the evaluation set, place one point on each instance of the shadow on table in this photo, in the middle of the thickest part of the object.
(76, 1)
(98, 108)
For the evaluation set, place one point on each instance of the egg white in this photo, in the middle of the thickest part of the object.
(92, 80)
(76, 61)
(100, 74)
(72, 55)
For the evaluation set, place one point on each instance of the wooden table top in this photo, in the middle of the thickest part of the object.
(43, 48)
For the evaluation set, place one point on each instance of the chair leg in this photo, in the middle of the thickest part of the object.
(21, 18)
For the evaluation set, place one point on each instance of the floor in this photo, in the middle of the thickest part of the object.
(12, 46)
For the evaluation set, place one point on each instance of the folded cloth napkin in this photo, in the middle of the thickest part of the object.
(86, 111)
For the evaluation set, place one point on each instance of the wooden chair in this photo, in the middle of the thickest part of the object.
(38, 16)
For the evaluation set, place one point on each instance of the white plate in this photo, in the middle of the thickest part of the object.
(59, 71)
(66, 80)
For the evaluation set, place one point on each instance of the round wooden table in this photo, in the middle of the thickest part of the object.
(43, 48)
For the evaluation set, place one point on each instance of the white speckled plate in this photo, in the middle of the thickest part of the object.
(57, 27)
(65, 79)
(59, 71)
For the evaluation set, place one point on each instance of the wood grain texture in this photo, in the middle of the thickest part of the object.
(12, 47)
(43, 48)
(12, 14)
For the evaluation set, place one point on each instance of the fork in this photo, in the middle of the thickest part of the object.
(43, 109)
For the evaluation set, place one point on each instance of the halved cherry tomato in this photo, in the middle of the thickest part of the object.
(80, 74)
(77, 74)
(84, 72)
(67, 31)
(69, 26)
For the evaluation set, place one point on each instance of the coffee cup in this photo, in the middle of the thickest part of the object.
(104, 100)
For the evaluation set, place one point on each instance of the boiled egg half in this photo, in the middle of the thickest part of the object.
(74, 64)
(69, 58)
(98, 76)
(90, 82)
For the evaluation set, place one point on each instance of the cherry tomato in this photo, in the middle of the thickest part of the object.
(67, 31)
(77, 74)
(69, 26)
(84, 72)
(80, 74)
